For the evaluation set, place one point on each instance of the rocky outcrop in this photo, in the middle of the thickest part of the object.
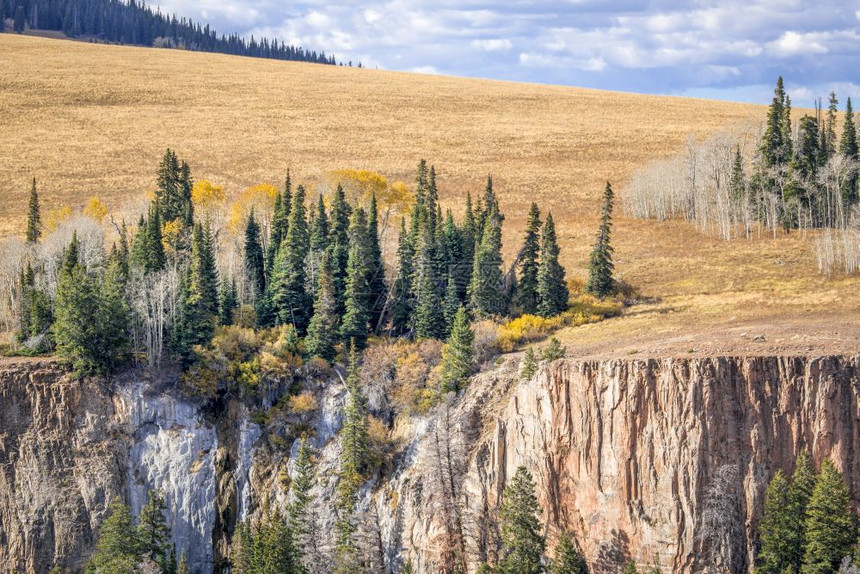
(663, 461)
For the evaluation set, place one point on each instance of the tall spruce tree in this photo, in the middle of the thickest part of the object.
(831, 526)
(527, 293)
(323, 328)
(340, 215)
(772, 145)
(200, 308)
(552, 292)
(802, 484)
(353, 463)
(287, 292)
(402, 304)
(737, 184)
(254, 260)
(228, 301)
(377, 289)
(301, 512)
(457, 354)
(34, 217)
(522, 543)
(428, 317)
(848, 148)
(357, 301)
(277, 232)
(486, 290)
(319, 242)
(778, 531)
(600, 269)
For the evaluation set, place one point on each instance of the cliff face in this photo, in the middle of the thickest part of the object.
(667, 460)
(661, 461)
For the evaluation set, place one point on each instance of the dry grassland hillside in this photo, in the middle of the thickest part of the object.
(93, 120)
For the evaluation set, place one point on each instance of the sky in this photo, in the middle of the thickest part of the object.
(729, 49)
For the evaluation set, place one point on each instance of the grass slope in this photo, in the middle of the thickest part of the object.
(94, 120)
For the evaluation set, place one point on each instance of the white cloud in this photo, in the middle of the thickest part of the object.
(493, 45)
(796, 44)
(431, 70)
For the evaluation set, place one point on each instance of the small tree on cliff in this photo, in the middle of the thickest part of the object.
(118, 548)
(153, 533)
(522, 543)
(777, 528)
(568, 559)
(600, 269)
(831, 527)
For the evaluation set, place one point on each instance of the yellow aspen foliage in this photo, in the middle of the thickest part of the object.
(206, 194)
(261, 197)
(360, 184)
(55, 217)
(170, 236)
(95, 209)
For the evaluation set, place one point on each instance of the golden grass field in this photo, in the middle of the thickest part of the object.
(93, 120)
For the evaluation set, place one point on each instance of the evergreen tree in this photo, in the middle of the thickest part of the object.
(357, 304)
(528, 283)
(552, 292)
(428, 318)
(778, 531)
(457, 354)
(401, 312)
(340, 215)
(353, 464)
(451, 304)
(152, 253)
(323, 329)
(153, 533)
(522, 542)
(287, 289)
(772, 145)
(600, 269)
(831, 528)
(737, 185)
(319, 241)
(228, 301)
(553, 351)
(173, 194)
(118, 548)
(19, 19)
(377, 289)
(34, 218)
(254, 260)
(568, 559)
(848, 148)
(301, 513)
(486, 291)
(200, 308)
(802, 485)
(830, 128)
(91, 317)
(529, 365)
(27, 284)
(277, 232)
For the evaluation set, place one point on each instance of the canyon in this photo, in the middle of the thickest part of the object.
(663, 461)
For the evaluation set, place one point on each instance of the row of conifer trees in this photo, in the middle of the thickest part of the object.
(320, 270)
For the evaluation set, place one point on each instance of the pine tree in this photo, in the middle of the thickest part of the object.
(340, 215)
(772, 146)
(319, 242)
(376, 270)
(353, 464)
(486, 291)
(200, 308)
(34, 218)
(428, 318)
(401, 311)
(357, 302)
(831, 527)
(830, 127)
(228, 301)
(802, 485)
(26, 287)
(553, 351)
(451, 304)
(277, 232)
(552, 292)
(152, 531)
(254, 260)
(153, 247)
(600, 269)
(737, 185)
(118, 548)
(778, 530)
(568, 559)
(323, 328)
(457, 355)
(529, 365)
(287, 292)
(848, 148)
(528, 283)
(301, 513)
(522, 542)
(173, 194)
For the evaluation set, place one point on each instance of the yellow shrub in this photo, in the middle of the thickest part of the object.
(236, 343)
(54, 217)
(303, 403)
(95, 209)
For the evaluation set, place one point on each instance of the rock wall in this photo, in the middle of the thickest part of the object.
(629, 454)
(635, 457)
